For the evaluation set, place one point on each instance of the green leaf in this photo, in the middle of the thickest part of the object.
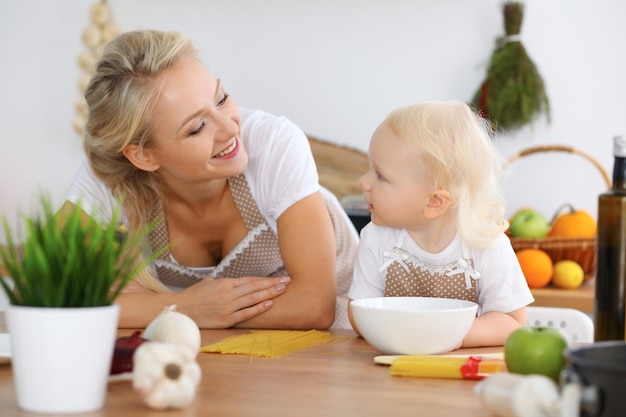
(71, 262)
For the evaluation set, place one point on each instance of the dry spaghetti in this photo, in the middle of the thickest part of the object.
(268, 343)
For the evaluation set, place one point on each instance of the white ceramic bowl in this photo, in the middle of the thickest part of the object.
(413, 325)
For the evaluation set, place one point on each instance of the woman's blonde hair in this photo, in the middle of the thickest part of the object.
(120, 97)
(459, 151)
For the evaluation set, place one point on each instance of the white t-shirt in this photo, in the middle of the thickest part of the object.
(501, 286)
(281, 169)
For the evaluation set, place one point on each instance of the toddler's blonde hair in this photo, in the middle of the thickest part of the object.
(458, 148)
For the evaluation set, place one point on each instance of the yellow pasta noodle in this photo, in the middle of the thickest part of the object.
(462, 367)
(268, 343)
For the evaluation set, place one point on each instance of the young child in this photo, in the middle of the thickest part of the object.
(438, 223)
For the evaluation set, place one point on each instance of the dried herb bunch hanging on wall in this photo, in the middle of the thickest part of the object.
(513, 92)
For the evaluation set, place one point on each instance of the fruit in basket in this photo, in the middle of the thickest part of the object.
(568, 274)
(529, 223)
(536, 266)
(573, 223)
(535, 350)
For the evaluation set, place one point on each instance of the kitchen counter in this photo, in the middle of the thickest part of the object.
(337, 378)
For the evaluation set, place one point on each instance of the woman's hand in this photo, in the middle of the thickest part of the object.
(212, 303)
(224, 303)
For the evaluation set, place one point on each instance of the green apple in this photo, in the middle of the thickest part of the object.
(529, 223)
(536, 350)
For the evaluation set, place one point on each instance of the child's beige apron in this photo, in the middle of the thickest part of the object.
(408, 276)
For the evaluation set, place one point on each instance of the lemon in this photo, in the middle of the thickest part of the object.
(568, 274)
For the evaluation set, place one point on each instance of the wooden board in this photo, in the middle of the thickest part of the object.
(339, 167)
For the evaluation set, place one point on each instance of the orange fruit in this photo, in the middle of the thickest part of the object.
(536, 266)
(575, 223)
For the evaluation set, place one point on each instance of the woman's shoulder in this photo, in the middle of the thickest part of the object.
(93, 195)
(258, 122)
(281, 169)
(250, 117)
(263, 133)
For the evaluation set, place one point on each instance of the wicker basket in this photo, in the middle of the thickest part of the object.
(581, 250)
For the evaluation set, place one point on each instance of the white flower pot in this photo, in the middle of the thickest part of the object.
(61, 357)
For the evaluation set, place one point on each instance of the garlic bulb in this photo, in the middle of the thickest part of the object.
(174, 327)
(513, 395)
(91, 36)
(166, 375)
(99, 13)
(95, 36)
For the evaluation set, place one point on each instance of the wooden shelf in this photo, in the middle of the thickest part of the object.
(581, 298)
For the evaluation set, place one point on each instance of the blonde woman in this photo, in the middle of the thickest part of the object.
(437, 225)
(254, 241)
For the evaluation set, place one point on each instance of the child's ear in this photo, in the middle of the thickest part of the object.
(141, 158)
(438, 202)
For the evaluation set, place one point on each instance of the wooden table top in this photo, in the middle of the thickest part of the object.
(337, 378)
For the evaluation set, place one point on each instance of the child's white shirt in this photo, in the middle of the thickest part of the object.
(501, 287)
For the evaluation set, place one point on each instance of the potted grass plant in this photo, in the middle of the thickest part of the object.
(66, 273)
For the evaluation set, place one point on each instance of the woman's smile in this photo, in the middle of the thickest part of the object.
(230, 151)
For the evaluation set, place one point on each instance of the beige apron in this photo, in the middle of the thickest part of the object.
(258, 254)
(408, 276)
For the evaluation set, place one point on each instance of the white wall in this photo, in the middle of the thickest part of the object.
(336, 67)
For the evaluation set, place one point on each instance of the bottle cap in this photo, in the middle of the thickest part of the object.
(619, 146)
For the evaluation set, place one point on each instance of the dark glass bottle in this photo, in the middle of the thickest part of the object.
(611, 252)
